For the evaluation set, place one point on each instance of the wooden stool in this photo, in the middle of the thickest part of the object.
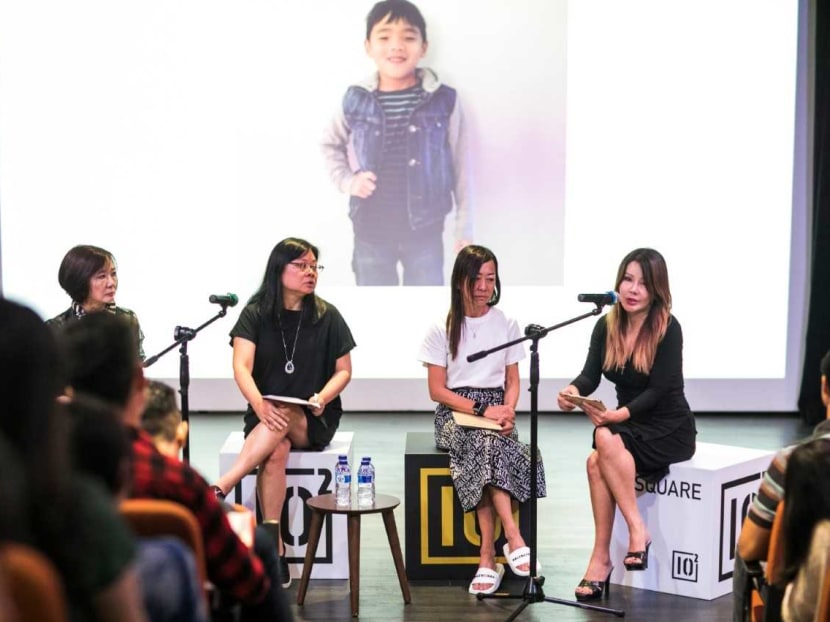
(325, 504)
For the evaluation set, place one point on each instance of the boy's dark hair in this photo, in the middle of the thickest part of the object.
(79, 265)
(102, 356)
(825, 366)
(395, 10)
(161, 415)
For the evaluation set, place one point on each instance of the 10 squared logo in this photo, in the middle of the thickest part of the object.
(684, 566)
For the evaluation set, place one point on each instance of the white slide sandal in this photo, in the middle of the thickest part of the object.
(486, 576)
(518, 557)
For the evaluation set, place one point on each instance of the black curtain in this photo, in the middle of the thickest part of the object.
(818, 316)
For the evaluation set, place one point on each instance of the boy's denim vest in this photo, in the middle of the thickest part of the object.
(430, 177)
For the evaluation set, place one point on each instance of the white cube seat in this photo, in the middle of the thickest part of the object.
(308, 473)
(694, 516)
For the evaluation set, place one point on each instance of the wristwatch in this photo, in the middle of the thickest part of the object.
(479, 408)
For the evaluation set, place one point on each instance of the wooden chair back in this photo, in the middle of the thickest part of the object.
(34, 585)
(823, 613)
(765, 605)
(158, 517)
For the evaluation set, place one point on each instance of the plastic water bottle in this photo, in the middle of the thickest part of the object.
(342, 481)
(366, 483)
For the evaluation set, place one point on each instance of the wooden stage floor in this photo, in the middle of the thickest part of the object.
(565, 526)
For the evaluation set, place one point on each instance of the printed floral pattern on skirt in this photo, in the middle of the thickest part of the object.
(479, 458)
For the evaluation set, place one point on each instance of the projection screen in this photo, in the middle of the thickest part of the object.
(185, 138)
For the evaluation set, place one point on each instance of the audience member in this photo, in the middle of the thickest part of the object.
(101, 448)
(162, 419)
(806, 530)
(753, 542)
(69, 516)
(103, 361)
(98, 443)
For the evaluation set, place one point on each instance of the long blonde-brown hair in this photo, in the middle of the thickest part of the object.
(656, 278)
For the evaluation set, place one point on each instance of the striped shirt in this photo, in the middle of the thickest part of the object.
(765, 503)
(388, 203)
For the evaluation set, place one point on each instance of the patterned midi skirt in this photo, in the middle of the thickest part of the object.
(480, 458)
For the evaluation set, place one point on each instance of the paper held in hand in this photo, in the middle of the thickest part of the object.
(289, 400)
(578, 400)
(243, 523)
(472, 421)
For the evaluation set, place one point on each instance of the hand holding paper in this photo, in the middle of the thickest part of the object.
(472, 421)
(578, 400)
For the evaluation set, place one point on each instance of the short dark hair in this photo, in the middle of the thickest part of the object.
(99, 444)
(101, 355)
(394, 10)
(161, 414)
(825, 366)
(79, 265)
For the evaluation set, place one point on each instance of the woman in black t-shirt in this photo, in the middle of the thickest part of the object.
(637, 345)
(288, 342)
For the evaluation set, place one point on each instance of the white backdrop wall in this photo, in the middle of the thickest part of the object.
(183, 136)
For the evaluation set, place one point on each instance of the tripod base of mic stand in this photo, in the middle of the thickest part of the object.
(533, 593)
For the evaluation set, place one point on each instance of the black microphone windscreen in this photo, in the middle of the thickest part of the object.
(228, 300)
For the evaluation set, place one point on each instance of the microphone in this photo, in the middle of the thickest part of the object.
(608, 298)
(228, 300)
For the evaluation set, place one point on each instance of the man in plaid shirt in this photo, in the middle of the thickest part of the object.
(103, 361)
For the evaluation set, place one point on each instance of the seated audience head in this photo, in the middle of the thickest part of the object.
(31, 379)
(99, 444)
(88, 274)
(807, 500)
(162, 419)
(102, 360)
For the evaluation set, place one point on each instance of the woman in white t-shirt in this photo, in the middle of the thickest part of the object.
(489, 468)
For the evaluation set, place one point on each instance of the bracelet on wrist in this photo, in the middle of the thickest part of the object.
(479, 408)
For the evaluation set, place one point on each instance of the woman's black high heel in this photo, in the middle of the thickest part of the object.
(598, 588)
(640, 556)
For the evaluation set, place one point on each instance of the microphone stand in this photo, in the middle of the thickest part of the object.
(182, 335)
(532, 592)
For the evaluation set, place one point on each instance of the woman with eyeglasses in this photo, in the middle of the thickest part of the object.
(291, 343)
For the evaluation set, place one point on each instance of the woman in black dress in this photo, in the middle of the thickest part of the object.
(638, 346)
(291, 343)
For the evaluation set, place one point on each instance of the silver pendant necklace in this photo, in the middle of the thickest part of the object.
(289, 360)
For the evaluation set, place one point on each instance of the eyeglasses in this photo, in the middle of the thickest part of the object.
(303, 266)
